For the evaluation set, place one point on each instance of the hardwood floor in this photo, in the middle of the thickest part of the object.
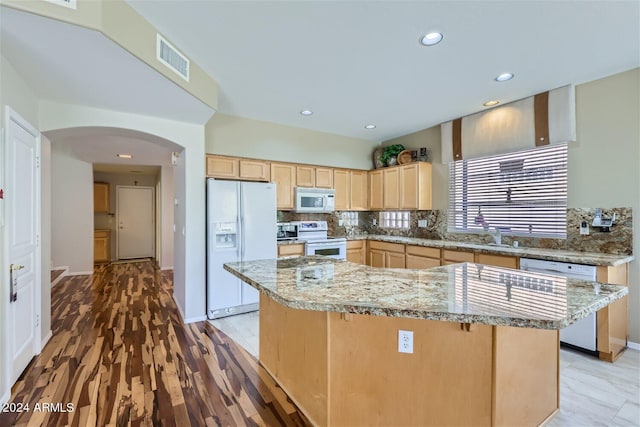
(120, 355)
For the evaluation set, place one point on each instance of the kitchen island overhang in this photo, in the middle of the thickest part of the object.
(486, 347)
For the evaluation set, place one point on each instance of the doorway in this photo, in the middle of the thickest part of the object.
(136, 222)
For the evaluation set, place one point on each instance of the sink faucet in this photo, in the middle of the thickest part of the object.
(497, 237)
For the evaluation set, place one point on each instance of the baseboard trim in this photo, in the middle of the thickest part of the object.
(167, 268)
(65, 272)
(633, 345)
(80, 273)
(46, 339)
(190, 319)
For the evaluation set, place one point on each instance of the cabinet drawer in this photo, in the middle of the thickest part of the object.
(423, 251)
(457, 256)
(355, 244)
(385, 246)
(290, 250)
(498, 260)
(101, 234)
(415, 261)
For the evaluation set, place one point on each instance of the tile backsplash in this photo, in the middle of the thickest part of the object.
(618, 241)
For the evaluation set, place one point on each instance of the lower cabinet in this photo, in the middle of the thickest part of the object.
(101, 246)
(386, 255)
(453, 257)
(356, 251)
(498, 260)
(422, 257)
(291, 250)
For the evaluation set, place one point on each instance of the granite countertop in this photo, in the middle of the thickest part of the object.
(467, 293)
(587, 258)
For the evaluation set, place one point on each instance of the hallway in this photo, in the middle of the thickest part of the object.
(120, 355)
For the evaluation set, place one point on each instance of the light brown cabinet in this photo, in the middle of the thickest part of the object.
(254, 170)
(376, 192)
(324, 178)
(391, 188)
(101, 246)
(101, 197)
(497, 260)
(450, 256)
(305, 176)
(422, 257)
(284, 175)
(222, 167)
(613, 320)
(235, 168)
(356, 251)
(386, 255)
(401, 187)
(351, 189)
(291, 249)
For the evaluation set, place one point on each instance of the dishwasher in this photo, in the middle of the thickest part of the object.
(581, 334)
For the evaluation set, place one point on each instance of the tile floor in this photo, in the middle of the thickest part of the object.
(592, 392)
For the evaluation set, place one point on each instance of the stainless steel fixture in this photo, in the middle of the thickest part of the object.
(581, 334)
(314, 233)
(287, 231)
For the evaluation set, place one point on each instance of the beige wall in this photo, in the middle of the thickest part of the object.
(604, 162)
(236, 136)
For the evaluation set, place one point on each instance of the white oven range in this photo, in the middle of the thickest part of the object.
(314, 233)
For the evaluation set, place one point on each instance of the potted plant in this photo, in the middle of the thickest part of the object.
(390, 154)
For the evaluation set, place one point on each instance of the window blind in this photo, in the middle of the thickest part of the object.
(522, 193)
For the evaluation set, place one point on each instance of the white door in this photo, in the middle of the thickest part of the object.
(136, 230)
(22, 199)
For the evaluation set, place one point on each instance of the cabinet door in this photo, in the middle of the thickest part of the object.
(391, 187)
(355, 255)
(375, 189)
(452, 256)
(377, 258)
(342, 183)
(394, 260)
(254, 170)
(101, 246)
(284, 177)
(222, 167)
(324, 178)
(409, 187)
(358, 190)
(497, 260)
(100, 197)
(305, 176)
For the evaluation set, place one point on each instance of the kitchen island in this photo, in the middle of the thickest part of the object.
(485, 347)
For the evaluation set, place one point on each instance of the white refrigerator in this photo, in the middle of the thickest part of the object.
(241, 226)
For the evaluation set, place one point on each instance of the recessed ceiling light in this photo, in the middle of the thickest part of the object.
(504, 77)
(125, 156)
(491, 103)
(431, 39)
(369, 126)
(306, 112)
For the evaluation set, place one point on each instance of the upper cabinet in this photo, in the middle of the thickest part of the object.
(351, 189)
(101, 197)
(324, 178)
(305, 176)
(235, 168)
(401, 187)
(284, 175)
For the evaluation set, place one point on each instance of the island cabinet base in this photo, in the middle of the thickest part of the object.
(345, 369)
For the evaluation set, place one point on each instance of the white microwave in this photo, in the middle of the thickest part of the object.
(315, 199)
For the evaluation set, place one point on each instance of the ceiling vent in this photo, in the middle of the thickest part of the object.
(172, 58)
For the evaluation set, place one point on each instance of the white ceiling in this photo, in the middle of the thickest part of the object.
(74, 65)
(359, 62)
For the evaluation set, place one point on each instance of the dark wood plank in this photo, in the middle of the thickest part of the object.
(121, 356)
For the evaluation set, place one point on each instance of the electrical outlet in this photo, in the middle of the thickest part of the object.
(405, 341)
(584, 228)
(374, 221)
(422, 223)
(340, 222)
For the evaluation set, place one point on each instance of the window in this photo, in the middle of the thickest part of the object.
(349, 219)
(394, 219)
(522, 193)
